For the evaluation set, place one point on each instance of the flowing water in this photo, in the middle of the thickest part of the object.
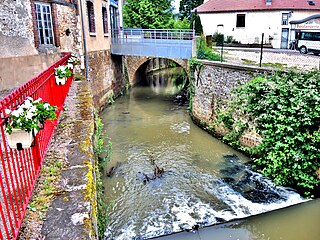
(204, 181)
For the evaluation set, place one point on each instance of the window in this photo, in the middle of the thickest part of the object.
(44, 23)
(241, 20)
(311, 36)
(285, 17)
(105, 20)
(114, 20)
(90, 12)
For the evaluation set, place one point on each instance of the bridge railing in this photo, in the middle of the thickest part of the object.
(167, 43)
(19, 169)
(172, 34)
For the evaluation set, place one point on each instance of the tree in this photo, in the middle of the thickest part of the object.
(186, 6)
(196, 21)
(148, 14)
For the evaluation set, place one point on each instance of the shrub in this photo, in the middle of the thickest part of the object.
(284, 108)
(204, 52)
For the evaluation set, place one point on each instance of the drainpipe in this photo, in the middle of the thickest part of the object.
(84, 37)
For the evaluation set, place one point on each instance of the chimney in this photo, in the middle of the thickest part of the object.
(268, 2)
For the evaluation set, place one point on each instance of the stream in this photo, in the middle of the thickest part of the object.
(204, 181)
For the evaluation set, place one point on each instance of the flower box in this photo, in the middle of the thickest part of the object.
(61, 80)
(20, 139)
(23, 123)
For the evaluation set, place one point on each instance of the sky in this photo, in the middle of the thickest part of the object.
(175, 3)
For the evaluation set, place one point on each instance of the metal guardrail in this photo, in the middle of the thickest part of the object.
(19, 169)
(167, 43)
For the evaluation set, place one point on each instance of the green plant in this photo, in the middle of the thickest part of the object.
(111, 99)
(204, 52)
(103, 209)
(30, 115)
(284, 108)
(218, 38)
(62, 71)
(194, 66)
(229, 39)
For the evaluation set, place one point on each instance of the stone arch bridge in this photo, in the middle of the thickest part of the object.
(133, 64)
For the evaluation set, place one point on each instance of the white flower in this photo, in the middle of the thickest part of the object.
(7, 111)
(15, 113)
(29, 115)
(30, 98)
(27, 104)
(46, 106)
(38, 100)
(33, 109)
(70, 65)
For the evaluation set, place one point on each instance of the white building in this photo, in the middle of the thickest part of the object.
(246, 20)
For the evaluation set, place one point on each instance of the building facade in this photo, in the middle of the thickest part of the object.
(33, 33)
(246, 20)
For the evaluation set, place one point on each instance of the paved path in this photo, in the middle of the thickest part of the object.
(271, 58)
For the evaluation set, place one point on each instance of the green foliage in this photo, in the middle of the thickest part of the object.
(205, 52)
(101, 150)
(218, 38)
(181, 24)
(111, 99)
(29, 115)
(154, 14)
(194, 66)
(196, 23)
(186, 6)
(103, 209)
(62, 71)
(284, 108)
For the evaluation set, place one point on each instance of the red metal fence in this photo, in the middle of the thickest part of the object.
(19, 168)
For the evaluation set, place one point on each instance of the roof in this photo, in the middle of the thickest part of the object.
(252, 5)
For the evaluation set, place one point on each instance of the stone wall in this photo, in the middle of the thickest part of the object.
(133, 63)
(106, 76)
(15, 71)
(215, 82)
(16, 28)
(21, 60)
(69, 29)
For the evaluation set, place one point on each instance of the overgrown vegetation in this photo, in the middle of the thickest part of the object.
(102, 153)
(284, 109)
(205, 52)
(194, 66)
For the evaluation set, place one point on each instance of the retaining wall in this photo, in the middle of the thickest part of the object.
(214, 83)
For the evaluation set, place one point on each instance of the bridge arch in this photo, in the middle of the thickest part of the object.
(134, 63)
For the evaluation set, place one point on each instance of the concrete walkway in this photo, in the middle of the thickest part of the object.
(70, 209)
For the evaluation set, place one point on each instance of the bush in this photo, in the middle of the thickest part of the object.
(204, 52)
(218, 38)
(284, 108)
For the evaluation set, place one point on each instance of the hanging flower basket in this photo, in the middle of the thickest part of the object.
(60, 81)
(21, 139)
(24, 123)
(61, 74)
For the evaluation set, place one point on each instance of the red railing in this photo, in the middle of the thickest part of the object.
(19, 168)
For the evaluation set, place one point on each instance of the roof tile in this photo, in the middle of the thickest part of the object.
(249, 5)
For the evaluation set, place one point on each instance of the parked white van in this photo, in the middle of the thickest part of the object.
(309, 42)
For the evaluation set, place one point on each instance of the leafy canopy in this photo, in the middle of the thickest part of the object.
(154, 14)
(186, 6)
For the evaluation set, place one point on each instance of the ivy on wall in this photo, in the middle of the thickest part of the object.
(284, 109)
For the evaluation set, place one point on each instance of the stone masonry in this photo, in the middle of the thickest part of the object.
(215, 82)
(16, 28)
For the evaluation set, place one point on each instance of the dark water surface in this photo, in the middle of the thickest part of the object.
(204, 181)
